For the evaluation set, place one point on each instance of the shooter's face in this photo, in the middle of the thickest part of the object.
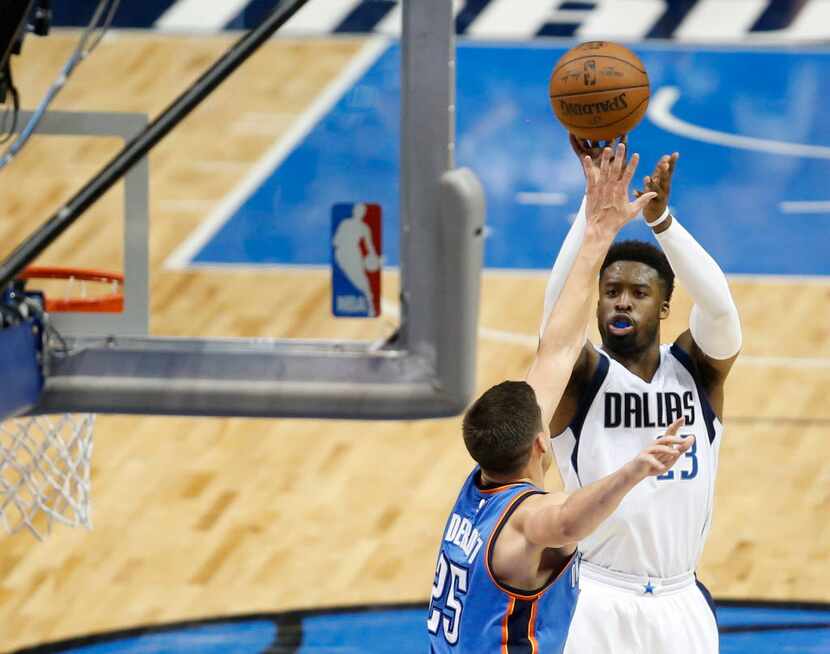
(631, 306)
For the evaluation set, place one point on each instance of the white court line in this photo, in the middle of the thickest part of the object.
(569, 16)
(392, 23)
(720, 20)
(795, 206)
(508, 19)
(659, 112)
(811, 24)
(319, 17)
(546, 199)
(361, 62)
(531, 341)
(785, 362)
(537, 273)
(199, 16)
(626, 20)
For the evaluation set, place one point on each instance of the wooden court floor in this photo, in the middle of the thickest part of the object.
(204, 517)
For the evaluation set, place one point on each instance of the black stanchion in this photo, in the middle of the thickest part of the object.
(26, 252)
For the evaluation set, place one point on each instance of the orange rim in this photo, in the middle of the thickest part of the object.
(109, 303)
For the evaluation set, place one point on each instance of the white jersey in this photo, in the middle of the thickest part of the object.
(660, 527)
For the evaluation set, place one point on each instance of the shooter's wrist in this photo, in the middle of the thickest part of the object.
(661, 223)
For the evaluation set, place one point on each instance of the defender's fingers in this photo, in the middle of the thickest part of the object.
(675, 426)
(654, 462)
(663, 450)
(642, 201)
(630, 169)
(676, 443)
(605, 162)
(673, 440)
(619, 161)
(587, 166)
(591, 173)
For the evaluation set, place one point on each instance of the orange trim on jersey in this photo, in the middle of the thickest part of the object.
(504, 633)
(531, 628)
(490, 543)
(499, 489)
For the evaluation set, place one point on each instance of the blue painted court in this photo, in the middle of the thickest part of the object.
(751, 126)
(773, 628)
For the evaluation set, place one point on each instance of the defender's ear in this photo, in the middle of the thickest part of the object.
(665, 310)
(542, 442)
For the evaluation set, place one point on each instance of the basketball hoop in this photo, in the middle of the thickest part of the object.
(45, 460)
(109, 302)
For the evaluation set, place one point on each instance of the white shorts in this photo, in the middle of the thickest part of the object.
(622, 614)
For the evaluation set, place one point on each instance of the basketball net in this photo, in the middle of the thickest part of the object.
(45, 472)
(45, 460)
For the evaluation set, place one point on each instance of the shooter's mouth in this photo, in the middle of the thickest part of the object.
(620, 325)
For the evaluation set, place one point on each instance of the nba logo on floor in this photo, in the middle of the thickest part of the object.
(355, 260)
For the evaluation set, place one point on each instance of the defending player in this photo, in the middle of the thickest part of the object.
(505, 578)
(639, 591)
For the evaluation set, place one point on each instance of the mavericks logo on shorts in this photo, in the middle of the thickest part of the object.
(355, 260)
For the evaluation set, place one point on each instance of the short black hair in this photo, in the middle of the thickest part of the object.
(500, 426)
(642, 252)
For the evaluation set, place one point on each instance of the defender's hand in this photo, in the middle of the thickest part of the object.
(659, 457)
(607, 208)
(660, 183)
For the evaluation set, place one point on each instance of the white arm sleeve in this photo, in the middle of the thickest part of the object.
(714, 321)
(563, 264)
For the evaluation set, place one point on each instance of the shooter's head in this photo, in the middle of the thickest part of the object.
(635, 287)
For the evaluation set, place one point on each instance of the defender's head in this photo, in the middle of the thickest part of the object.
(635, 287)
(503, 431)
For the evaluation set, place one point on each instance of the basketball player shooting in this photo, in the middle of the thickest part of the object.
(505, 578)
(639, 592)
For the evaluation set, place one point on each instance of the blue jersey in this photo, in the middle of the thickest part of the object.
(470, 610)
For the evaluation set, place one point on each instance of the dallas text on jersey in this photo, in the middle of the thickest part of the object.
(638, 410)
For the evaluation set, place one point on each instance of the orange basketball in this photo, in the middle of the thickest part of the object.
(599, 90)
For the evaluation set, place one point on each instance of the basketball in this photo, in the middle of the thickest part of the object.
(599, 90)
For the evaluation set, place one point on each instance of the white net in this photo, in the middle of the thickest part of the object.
(45, 472)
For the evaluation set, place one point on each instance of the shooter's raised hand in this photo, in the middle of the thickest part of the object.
(585, 148)
(659, 182)
(607, 207)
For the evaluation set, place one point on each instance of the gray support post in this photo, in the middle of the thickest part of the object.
(455, 301)
(427, 372)
(135, 320)
(427, 106)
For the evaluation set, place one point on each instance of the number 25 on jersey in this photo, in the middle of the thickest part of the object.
(446, 605)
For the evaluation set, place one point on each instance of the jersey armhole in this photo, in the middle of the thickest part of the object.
(708, 412)
(491, 544)
(585, 402)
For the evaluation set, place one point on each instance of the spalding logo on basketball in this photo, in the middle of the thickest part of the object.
(599, 90)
